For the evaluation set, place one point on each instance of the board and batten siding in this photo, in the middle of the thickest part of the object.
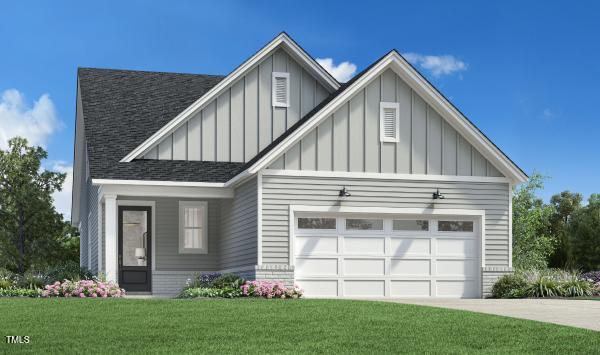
(239, 227)
(279, 192)
(348, 140)
(241, 121)
(166, 236)
(92, 222)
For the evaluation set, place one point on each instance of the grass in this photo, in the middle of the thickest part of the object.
(273, 326)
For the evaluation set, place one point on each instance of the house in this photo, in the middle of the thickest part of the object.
(378, 187)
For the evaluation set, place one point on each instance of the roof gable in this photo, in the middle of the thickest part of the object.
(394, 61)
(281, 41)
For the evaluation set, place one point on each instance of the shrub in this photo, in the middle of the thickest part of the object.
(68, 271)
(200, 292)
(510, 286)
(270, 289)
(83, 289)
(32, 280)
(20, 292)
(228, 281)
(202, 281)
(577, 287)
(7, 279)
(544, 286)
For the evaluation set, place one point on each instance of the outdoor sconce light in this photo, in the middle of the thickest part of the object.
(438, 196)
(344, 192)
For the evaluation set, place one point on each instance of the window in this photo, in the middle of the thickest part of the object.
(316, 223)
(281, 89)
(389, 121)
(411, 225)
(455, 226)
(192, 227)
(364, 224)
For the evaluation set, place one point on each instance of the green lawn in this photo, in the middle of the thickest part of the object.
(273, 326)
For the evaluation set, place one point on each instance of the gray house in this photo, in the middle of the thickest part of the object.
(378, 187)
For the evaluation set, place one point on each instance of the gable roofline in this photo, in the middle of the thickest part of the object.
(422, 86)
(284, 40)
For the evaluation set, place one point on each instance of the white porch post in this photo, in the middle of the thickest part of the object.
(110, 233)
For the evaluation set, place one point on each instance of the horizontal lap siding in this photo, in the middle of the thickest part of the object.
(239, 225)
(280, 192)
(166, 236)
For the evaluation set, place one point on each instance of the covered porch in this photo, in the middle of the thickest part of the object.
(152, 238)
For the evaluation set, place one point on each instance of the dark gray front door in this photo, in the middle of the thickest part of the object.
(135, 248)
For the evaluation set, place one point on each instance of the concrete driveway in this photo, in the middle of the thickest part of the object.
(574, 313)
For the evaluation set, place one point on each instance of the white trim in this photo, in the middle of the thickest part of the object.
(111, 237)
(281, 40)
(156, 183)
(259, 203)
(100, 226)
(168, 191)
(423, 88)
(382, 107)
(510, 226)
(382, 176)
(145, 203)
(89, 241)
(203, 205)
(274, 77)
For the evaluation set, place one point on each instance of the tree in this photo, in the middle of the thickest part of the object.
(28, 221)
(532, 240)
(584, 235)
(564, 206)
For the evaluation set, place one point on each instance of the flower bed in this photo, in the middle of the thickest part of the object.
(268, 289)
(546, 283)
(231, 285)
(83, 289)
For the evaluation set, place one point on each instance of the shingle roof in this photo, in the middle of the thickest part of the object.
(122, 108)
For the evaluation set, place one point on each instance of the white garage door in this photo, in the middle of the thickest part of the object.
(344, 256)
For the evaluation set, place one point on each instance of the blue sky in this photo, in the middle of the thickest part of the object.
(526, 74)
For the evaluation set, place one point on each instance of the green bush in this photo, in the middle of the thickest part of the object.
(228, 281)
(20, 292)
(32, 280)
(68, 271)
(577, 287)
(544, 286)
(227, 292)
(510, 286)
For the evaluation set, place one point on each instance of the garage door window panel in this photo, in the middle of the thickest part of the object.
(455, 226)
(364, 224)
(317, 223)
(410, 225)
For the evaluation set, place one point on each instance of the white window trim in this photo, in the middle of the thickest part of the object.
(287, 89)
(382, 107)
(204, 236)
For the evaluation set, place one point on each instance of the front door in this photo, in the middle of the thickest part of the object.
(135, 245)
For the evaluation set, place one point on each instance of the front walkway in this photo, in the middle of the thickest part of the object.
(575, 313)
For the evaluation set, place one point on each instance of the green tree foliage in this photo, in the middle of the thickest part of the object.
(584, 235)
(32, 233)
(564, 205)
(532, 239)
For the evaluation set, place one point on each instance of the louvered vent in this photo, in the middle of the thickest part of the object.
(389, 121)
(281, 89)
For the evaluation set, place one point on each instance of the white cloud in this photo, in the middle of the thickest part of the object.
(17, 118)
(343, 72)
(62, 199)
(438, 65)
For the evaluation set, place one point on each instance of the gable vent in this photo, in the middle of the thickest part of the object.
(389, 121)
(281, 89)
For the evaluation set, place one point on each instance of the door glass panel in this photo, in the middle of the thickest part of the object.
(411, 225)
(455, 226)
(364, 224)
(135, 226)
(316, 223)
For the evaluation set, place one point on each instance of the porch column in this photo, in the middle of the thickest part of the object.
(110, 233)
